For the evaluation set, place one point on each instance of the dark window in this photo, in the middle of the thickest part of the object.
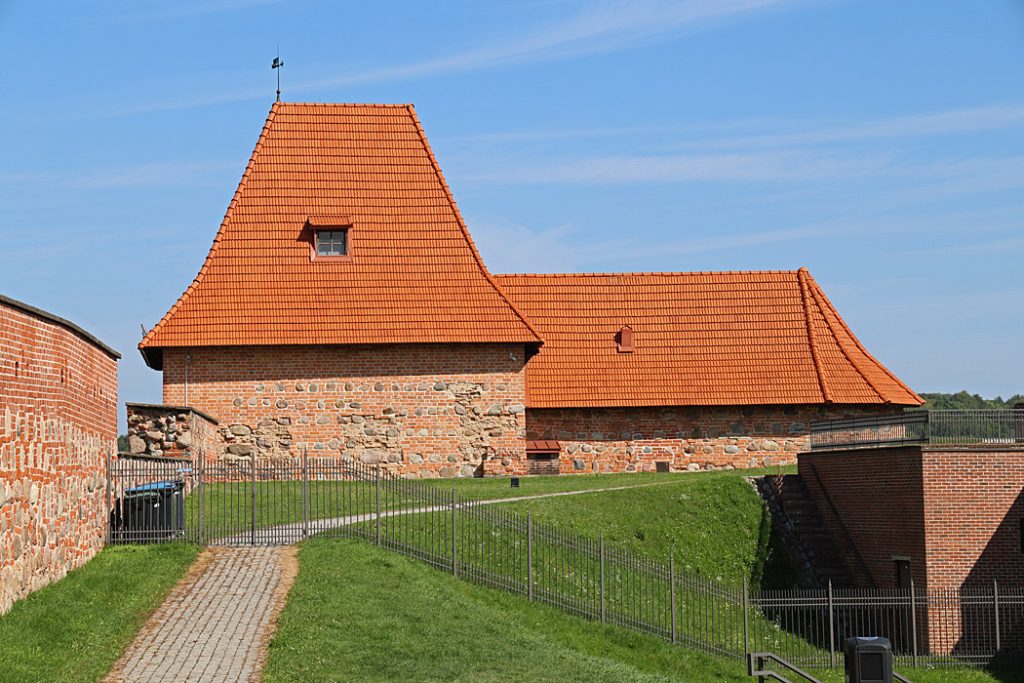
(903, 574)
(1022, 535)
(661, 466)
(332, 242)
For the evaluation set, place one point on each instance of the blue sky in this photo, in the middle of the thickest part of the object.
(878, 143)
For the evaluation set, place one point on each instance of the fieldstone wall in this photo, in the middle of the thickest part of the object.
(58, 424)
(171, 431)
(688, 439)
(420, 410)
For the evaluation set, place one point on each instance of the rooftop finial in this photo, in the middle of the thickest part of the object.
(276, 65)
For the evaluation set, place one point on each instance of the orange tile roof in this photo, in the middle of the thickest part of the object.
(699, 339)
(414, 276)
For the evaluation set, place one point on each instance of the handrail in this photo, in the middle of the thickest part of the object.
(761, 673)
(989, 428)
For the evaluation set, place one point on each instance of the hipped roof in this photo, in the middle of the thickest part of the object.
(699, 339)
(414, 276)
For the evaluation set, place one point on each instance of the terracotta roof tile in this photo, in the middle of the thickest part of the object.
(699, 339)
(414, 276)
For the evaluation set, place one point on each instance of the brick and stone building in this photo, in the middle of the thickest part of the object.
(343, 309)
(58, 426)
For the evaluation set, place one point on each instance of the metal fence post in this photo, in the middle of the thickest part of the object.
(995, 609)
(831, 628)
(305, 494)
(200, 494)
(602, 580)
(455, 550)
(107, 498)
(252, 499)
(672, 592)
(913, 621)
(376, 485)
(529, 555)
(746, 620)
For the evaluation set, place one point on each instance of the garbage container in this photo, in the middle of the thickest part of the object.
(153, 511)
(868, 660)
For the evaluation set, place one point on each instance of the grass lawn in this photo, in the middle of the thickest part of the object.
(74, 630)
(713, 522)
(359, 613)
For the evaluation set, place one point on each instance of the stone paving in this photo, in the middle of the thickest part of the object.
(215, 624)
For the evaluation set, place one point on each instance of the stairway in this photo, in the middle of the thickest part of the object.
(804, 532)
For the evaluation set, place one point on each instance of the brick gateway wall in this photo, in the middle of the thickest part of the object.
(421, 410)
(957, 514)
(58, 422)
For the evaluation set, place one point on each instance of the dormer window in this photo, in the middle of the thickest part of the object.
(332, 242)
(624, 340)
(331, 237)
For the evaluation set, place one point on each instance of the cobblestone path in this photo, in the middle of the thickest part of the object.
(215, 624)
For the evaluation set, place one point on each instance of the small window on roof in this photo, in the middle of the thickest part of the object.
(624, 340)
(332, 242)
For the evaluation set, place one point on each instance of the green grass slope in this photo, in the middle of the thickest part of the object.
(74, 630)
(360, 613)
(714, 523)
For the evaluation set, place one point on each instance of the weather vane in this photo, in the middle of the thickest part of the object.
(276, 65)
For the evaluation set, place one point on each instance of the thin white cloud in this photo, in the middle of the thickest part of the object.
(601, 28)
(154, 174)
(680, 168)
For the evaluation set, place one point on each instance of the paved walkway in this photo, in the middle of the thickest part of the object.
(215, 624)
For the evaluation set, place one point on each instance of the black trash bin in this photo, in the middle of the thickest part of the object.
(153, 512)
(868, 660)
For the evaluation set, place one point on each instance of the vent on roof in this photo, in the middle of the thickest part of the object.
(624, 340)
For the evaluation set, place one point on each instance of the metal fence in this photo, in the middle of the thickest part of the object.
(954, 428)
(246, 503)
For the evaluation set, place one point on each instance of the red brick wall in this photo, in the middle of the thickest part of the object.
(879, 496)
(423, 410)
(974, 505)
(58, 421)
(634, 439)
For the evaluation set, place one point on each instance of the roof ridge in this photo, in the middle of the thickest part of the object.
(220, 231)
(462, 224)
(382, 105)
(650, 273)
(816, 292)
(801, 277)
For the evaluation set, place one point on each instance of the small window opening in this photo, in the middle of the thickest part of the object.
(1022, 535)
(624, 340)
(17, 369)
(661, 466)
(332, 242)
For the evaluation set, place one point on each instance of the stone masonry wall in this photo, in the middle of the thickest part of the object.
(422, 410)
(701, 438)
(171, 431)
(58, 423)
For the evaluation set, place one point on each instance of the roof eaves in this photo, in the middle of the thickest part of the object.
(147, 340)
(462, 225)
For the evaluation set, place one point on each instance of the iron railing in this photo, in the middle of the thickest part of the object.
(281, 502)
(952, 428)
